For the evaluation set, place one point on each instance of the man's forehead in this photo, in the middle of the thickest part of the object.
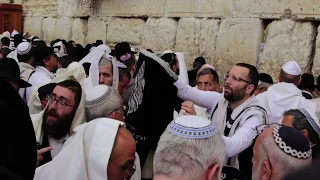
(240, 71)
(63, 92)
(206, 77)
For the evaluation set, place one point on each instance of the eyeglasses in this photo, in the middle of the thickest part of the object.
(259, 130)
(128, 169)
(234, 78)
(60, 102)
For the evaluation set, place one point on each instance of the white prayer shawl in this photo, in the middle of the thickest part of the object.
(6, 34)
(74, 69)
(282, 97)
(13, 55)
(14, 32)
(317, 101)
(94, 58)
(183, 67)
(219, 118)
(25, 72)
(87, 156)
(40, 77)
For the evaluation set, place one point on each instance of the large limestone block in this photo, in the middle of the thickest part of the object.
(33, 25)
(300, 9)
(63, 28)
(159, 34)
(97, 30)
(47, 8)
(188, 38)
(48, 27)
(238, 41)
(79, 30)
(316, 60)
(57, 28)
(287, 40)
(128, 8)
(128, 30)
(208, 39)
(75, 8)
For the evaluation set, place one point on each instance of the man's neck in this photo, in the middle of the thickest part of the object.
(234, 105)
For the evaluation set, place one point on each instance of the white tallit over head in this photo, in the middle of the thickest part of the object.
(74, 69)
(87, 156)
(183, 67)
(94, 58)
(14, 32)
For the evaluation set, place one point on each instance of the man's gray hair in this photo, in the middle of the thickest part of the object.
(188, 158)
(280, 161)
(104, 109)
(105, 60)
(264, 84)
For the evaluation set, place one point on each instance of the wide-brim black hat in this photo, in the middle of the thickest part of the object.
(9, 70)
(121, 49)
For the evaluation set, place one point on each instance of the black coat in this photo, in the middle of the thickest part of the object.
(5, 51)
(18, 152)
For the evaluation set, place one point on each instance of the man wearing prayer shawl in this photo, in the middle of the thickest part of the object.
(55, 124)
(285, 95)
(151, 106)
(74, 70)
(105, 102)
(104, 69)
(100, 150)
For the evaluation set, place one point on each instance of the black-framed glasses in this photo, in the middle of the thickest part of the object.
(128, 169)
(259, 130)
(234, 78)
(60, 102)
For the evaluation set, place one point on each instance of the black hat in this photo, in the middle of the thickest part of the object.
(46, 89)
(198, 62)
(121, 49)
(9, 70)
(307, 81)
(98, 43)
(232, 174)
(42, 52)
(265, 78)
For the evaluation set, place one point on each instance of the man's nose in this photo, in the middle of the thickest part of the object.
(100, 79)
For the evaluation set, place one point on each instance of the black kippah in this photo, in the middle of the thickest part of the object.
(292, 142)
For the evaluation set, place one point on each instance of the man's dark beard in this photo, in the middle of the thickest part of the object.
(60, 127)
(178, 71)
(234, 97)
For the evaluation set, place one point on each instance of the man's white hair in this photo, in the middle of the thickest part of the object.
(281, 162)
(182, 158)
(104, 109)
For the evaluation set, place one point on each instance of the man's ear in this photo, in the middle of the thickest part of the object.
(266, 170)
(299, 81)
(305, 133)
(46, 62)
(212, 173)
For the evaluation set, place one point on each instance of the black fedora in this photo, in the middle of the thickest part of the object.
(9, 70)
(121, 49)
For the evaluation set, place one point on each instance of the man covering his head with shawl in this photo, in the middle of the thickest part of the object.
(105, 70)
(100, 150)
(65, 111)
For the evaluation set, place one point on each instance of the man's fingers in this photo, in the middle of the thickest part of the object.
(39, 158)
(43, 150)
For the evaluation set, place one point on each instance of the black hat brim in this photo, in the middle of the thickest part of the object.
(24, 84)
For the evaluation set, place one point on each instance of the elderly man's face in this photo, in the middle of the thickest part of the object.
(261, 168)
(121, 163)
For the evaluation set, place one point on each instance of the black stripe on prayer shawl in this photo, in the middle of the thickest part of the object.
(152, 102)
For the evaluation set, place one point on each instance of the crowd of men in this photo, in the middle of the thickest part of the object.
(90, 113)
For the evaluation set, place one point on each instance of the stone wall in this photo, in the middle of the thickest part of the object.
(265, 33)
